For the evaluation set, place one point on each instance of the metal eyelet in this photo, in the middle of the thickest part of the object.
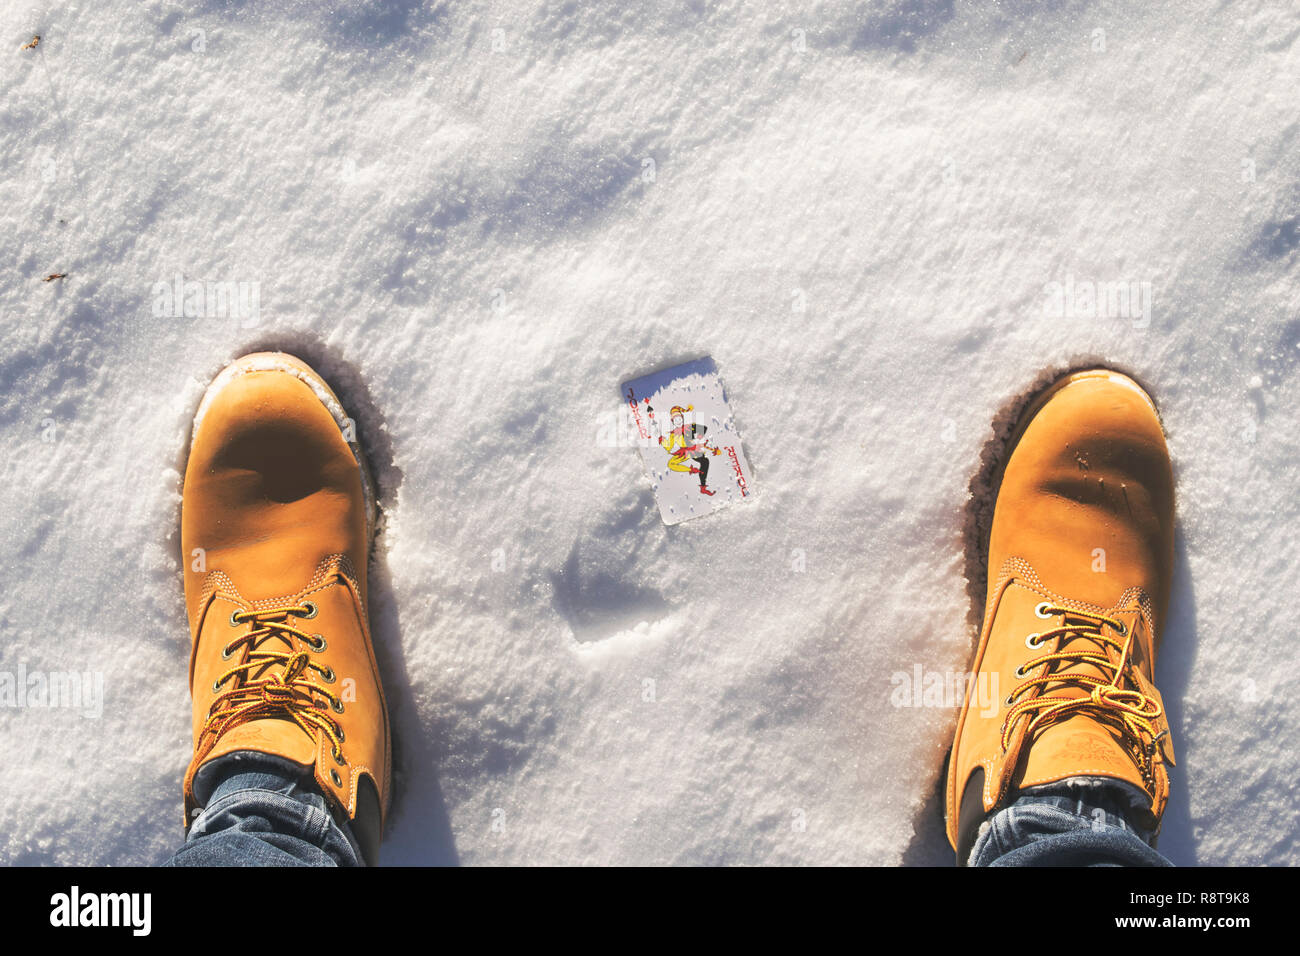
(226, 653)
(1040, 610)
(233, 622)
(1021, 673)
(216, 686)
(342, 738)
(338, 757)
(328, 675)
(1122, 629)
(1032, 642)
(336, 706)
(334, 776)
(1007, 702)
(312, 610)
(318, 644)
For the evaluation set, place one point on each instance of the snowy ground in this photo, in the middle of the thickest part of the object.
(477, 219)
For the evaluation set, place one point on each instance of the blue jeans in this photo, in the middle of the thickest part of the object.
(1084, 823)
(262, 810)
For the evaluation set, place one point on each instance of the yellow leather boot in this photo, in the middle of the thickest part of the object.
(276, 523)
(1080, 558)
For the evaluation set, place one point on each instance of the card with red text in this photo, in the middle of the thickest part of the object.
(688, 440)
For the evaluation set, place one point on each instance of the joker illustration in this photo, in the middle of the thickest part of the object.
(686, 444)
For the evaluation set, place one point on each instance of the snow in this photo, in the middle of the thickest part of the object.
(856, 210)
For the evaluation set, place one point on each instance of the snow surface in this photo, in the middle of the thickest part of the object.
(476, 235)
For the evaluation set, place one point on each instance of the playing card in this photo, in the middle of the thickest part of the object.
(688, 440)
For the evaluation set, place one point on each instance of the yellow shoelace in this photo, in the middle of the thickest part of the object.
(1130, 709)
(283, 692)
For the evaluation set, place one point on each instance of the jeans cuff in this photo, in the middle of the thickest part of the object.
(247, 784)
(1081, 821)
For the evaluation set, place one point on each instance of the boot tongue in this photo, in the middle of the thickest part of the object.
(272, 734)
(1079, 747)
(1078, 642)
(268, 735)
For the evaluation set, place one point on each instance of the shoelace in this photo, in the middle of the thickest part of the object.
(1130, 709)
(283, 692)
